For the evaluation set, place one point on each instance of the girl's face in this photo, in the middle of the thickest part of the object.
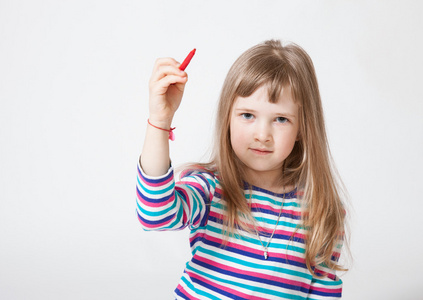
(263, 134)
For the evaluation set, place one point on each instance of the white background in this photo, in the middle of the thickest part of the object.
(73, 92)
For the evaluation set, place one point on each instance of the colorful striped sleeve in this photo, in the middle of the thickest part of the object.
(329, 285)
(164, 205)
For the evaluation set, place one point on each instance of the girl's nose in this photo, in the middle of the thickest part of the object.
(263, 133)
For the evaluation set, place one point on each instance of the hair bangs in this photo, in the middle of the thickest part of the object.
(263, 71)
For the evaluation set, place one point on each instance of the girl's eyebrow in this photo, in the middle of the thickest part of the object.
(279, 114)
(286, 115)
(244, 109)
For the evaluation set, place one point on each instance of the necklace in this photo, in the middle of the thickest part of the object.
(265, 248)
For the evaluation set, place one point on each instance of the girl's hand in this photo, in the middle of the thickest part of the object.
(166, 86)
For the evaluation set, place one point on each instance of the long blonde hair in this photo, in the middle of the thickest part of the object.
(309, 166)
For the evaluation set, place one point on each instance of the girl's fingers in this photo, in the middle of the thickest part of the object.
(166, 70)
(162, 62)
(160, 87)
(165, 61)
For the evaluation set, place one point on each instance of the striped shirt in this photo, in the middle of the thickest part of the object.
(238, 270)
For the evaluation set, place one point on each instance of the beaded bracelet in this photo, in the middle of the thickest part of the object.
(171, 134)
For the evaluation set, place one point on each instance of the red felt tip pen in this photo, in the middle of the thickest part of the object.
(187, 60)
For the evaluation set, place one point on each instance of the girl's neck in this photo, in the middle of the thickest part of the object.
(270, 183)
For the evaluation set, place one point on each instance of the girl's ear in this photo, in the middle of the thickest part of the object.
(298, 136)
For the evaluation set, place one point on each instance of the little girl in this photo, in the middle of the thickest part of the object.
(265, 214)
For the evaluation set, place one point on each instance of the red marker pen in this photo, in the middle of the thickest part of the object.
(187, 60)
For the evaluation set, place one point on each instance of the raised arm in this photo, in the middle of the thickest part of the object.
(166, 88)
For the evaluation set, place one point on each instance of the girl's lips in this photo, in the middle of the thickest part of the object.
(260, 151)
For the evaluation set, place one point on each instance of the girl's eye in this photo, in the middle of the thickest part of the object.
(247, 116)
(281, 120)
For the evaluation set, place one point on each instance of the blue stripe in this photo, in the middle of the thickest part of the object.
(286, 204)
(273, 222)
(154, 200)
(158, 192)
(155, 180)
(179, 293)
(314, 292)
(156, 213)
(274, 213)
(178, 219)
(196, 240)
(201, 292)
(155, 222)
(196, 208)
(288, 195)
(327, 283)
(215, 289)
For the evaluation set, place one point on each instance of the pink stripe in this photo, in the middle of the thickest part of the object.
(299, 193)
(151, 226)
(224, 288)
(323, 273)
(183, 291)
(337, 255)
(254, 274)
(193, 184)
(219, 191)
(155, 204)
(198, 235)
(282, 232)
(187, 200)
(198, 187)
(276, 210)
(185, 196)
(325, 290)
(196, 169)
(216, 215)
(236, 246)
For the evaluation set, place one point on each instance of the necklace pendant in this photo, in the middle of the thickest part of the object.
(265, 254)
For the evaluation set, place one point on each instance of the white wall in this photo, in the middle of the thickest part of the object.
(73, 94)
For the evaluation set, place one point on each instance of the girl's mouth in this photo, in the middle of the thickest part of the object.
(260, 151)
